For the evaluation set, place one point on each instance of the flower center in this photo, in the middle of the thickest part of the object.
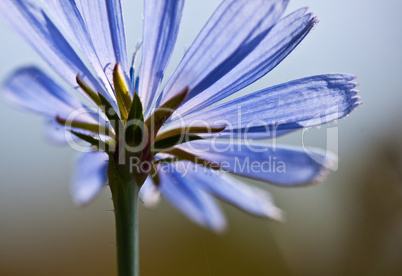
(130, 139)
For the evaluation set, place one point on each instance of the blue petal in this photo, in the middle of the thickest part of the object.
(116, 22)
(58, 134)
(279, 42)
(279, 109)
(233, 31)
(61, 135)
(31, 89)
(284, 166)
(34, 25)
(161, 25)
(257, 132)
(251, 199)
(104, 23)
(67, 17)
(89, 177)
(196, 204)
(149, 193)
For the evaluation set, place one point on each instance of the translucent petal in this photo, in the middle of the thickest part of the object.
(279, 109)
(149, 193)
(89, 177)
(196, 204)
(28, 18)
(67, 17)
(31, 89)
(104, 22)
(278, 43)
(285, 166)
(161, 25)
(232, 32)
(251, 199)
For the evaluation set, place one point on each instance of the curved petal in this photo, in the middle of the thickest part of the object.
(279, 109)
(280, 42)
(233, 31)
(58, 134)
(161, 25)
(89, 177)
(250, 199)
(61, 135)
(31, 89)
(284, 166)
(104, 23)
(27, 18)
(67, 17)
(149, 193)
(194, 203)
(116, 23)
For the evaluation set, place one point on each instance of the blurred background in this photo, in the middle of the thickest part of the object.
(351, 224)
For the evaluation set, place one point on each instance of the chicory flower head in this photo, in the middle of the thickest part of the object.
(183, 140)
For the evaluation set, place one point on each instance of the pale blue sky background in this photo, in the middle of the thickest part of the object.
(36, 214)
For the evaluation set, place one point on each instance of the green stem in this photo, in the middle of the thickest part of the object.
(125, 201)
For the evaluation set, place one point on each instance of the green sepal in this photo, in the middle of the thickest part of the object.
(98, 144)
(159, 117)
(122, 91)
(173, 141)
(112, 115)
(135, 121)
(86, 126)
(184, 155)
(90, 93)
(167, 160)
(189, 130)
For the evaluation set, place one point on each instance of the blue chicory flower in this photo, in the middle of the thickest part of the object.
(83, 40)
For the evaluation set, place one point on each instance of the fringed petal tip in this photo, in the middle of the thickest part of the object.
(309, 14)
(314, 20)
(356, 102)
(352, 95)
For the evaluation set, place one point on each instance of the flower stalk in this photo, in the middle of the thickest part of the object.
(125, 201)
